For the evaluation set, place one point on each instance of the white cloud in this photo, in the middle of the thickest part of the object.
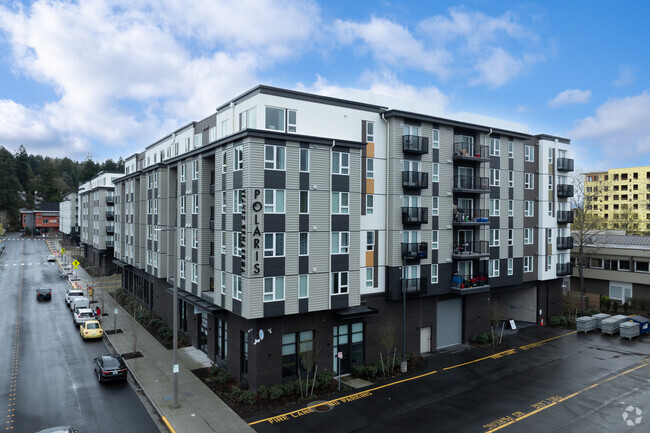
(626, 75)
(570, 96)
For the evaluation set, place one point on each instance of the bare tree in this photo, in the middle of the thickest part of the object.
(387, 331)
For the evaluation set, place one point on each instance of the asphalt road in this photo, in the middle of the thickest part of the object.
(570, 383)
(46, 370)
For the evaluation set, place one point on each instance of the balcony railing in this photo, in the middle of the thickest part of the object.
(415, 215)
(564, 164)
(212, 189)
(415, 250)
(110, 229)
(471, 183)
(564, 242)
(110, 199)
(110, 215)
(415, 179)
(413, 286)
(472, 151)
(564, 216)
(468, 250)
(110, 244)
(415, 144)
(211, 223)
(468, 217)
(466, 281)
(211, 261)
(563, 269)
(565, 190)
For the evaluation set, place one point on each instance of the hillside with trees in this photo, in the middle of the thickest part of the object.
(26, 180)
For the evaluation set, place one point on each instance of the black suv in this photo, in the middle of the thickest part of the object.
(43, 294)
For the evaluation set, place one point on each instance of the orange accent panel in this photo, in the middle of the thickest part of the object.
(370, 149)
(370, 186)
(370, 258)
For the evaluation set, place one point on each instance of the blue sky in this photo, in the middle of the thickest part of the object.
(109, 77)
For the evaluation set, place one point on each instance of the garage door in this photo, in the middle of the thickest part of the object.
(449, 329)
(520, 304)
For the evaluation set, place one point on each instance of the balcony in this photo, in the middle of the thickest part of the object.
(110, 244)
(564, 164)
(462, 284)
(211, 261)
(471, 152)
(415, 215)
(470, 250)
(211, 224)
(110, 199)
(471, 217)
(211, 189)
(563, 269)
(415, 250)
(564, 216)
(110, 215)
(413, 286)
(564, 242)
(471, 184)
(110, 229)
(415, 180)
(415, 144)
(565, 190)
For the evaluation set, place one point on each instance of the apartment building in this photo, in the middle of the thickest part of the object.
(621, 198)
(294, 222)
(44, 220)
(96, 220)
(68, 222)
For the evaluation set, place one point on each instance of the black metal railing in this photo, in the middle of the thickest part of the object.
(415, 215)
(471, 183)
(110, 244)
(565, 190)
(564, 164)
(110, 199)
(466, 281)
(415, 179)
(415, 250)
(413, 286)
(470, 249)
(211, 223)
(110, 229)
(564, 242)
(211, 261)
(471, 216)
(563, 269)
(564, 216)
(415, 144)
(110, 214)
(464, 150)
(212, 189)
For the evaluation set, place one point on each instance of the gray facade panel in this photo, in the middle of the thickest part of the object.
(236, 222)
(274, 223)
(303, 223)
(304, 181)
(274, 267)
(237, 179)
(303, 305)
(340, 262)
(274, 309)
(274, 179)
(340, 223)
(340, 301)
(236, 265)
(303, 265)
(340, 183)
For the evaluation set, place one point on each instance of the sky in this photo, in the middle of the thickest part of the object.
(106, 78)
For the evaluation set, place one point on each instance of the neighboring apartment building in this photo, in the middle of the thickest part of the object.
(616, 266)
(292, 221)
(68, 223)
(96, 220)
(42, 221)
(621, 197)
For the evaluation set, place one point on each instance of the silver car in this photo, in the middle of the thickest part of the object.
(72, 292)
(81, 315)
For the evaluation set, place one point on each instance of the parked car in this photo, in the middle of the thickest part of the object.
(72, 292)
(79, 302)
(81, 315)
(51, 258)
(43, 294)
(60, 429)
(110, 367)
(91, 329)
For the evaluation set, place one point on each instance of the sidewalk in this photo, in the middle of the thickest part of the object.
(200, 411)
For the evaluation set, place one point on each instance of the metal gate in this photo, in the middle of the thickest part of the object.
(449, 325)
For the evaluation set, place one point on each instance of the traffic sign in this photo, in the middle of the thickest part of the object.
(75, 263)
(62, 250)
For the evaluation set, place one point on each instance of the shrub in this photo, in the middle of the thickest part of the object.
(222, 377)
(480, 338)
(324, 379)
(615, 307)
(358, 370)
(604, 299)
(593, 311)
(263, 392)
(626, 306)
(247, 397)
(291, 388)
(236, 393)
(276, 391)
(560, 321)
(608, 304)
(214, 370)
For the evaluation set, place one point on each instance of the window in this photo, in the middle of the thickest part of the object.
(511, 208)
(294, 345)
(620, 291)
(236, 287)
(237, 200)
(303, 286)
(198, 140)
(434, 239)
(493, 268)
(528, 263)
(528, 236)
(339, 284)
(223, 201)
(550, 156)
(370, 241)
(212, 134)
(550, 182)
(370, 168)
(274, 157)
(340, 242)
(494, 237)
(237, 243)
(275, 119)
(495, 177)
(511, 149)
(195, 238)
(181, 237)
(340, 163)
(303, 241)
(495, 207)
(550, 208)
(511, 266)
(304, 202)
(511, 178)
(304, 160)
(195, 273)
(434, 274)
(529, 208)
(195, 169)
(370, 204)
(181, 272)
(223, 283)
(195, 204)
(182, 172)
(273, 201)
(273, 244)
(273, 289)
(292, 120)
(238, 158)
(370, 132)
(549, 236)
(529, 153)
(510, 237)
(223, 242)
(370, 277)
(495, 147)
(435, 172)
(340, 203)
(549, 263)
(529, 181)
(187, 144)
(434, 206)
(435, 139)
(224, 161)
(248, 119)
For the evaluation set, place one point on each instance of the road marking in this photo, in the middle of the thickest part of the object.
(169, 426)
(13, 382)
(552, 401)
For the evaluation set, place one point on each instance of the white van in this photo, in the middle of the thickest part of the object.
(79, 302)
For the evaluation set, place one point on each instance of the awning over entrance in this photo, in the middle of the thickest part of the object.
(354, 312)
(195, 300)
(119, 263)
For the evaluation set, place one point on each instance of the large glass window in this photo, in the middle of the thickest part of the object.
(274, 118)
(304, 160)
(304, 244)
(340, 163)
(273, 244)
(340, 203)
(303, 286)
(340, 242)
(304, 202)
(274, 157)
(273, 289)
(297, 351)
(274, 201)
(339, 283)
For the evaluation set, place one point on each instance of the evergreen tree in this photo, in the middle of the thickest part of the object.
(9, 183)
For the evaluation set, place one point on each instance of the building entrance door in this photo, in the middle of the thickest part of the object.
(425, 339)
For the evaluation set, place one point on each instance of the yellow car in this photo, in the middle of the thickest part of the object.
(91, 329)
